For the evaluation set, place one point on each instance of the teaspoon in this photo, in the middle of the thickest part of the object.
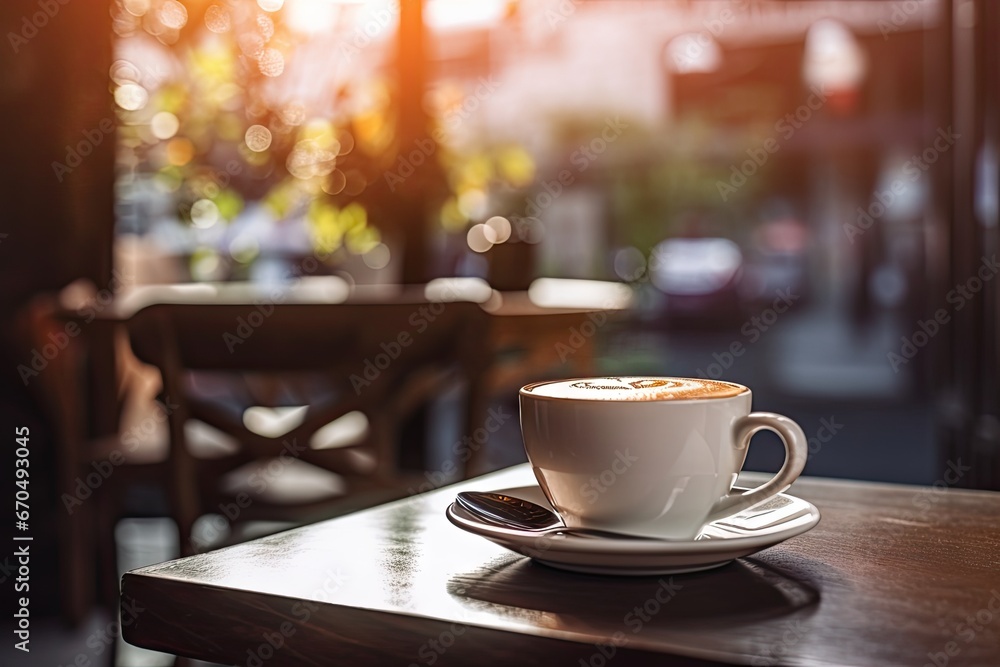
(519, 514)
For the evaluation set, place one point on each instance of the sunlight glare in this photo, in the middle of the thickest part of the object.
(310, 16)
(460, 14)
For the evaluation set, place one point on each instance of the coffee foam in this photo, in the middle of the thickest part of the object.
(636, 389)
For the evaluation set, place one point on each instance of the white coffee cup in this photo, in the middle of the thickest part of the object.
(649, 456)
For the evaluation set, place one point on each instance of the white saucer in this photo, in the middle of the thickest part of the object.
(760, 527)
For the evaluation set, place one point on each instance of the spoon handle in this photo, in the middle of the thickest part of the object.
(507, 510)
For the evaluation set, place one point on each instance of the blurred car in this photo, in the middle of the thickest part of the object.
(700, 280)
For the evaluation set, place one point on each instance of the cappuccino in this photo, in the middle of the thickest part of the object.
(649, 456)
(635, 389)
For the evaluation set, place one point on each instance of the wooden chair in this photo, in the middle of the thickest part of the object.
(93, 474)
(543, 334)
(368, 357)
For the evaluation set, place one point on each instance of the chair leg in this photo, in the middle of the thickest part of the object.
(107, 548)
(184, 488)
(184, 495)
(76, 562)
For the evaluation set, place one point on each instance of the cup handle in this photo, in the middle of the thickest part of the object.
(796, 453)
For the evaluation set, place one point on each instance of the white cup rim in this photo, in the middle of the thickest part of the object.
(525, 391)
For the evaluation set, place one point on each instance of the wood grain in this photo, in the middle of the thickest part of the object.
(891, 575)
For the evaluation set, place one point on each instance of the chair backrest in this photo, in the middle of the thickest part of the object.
(305, 336)
(366, 351)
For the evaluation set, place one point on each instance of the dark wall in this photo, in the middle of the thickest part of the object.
(56, 223)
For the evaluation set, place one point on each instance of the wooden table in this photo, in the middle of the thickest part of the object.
(892, 575)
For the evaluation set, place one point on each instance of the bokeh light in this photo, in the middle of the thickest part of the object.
(480, 238)
(346, 142)
(309, 159)
(335, 184)
(131, 96)
(293, 114)
(500, 227)
(173, 14)
(136, 7)
(204, 213)
(164, 125)
(322, 132)
(122, 72)
(265, 26)
(244, 248)
(180, 150)
(217, 19)
(257, 138)
(629, 263)
(272, 62)
(251, 44)
(378, 257)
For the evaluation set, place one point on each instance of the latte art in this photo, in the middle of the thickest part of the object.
(636, 389)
